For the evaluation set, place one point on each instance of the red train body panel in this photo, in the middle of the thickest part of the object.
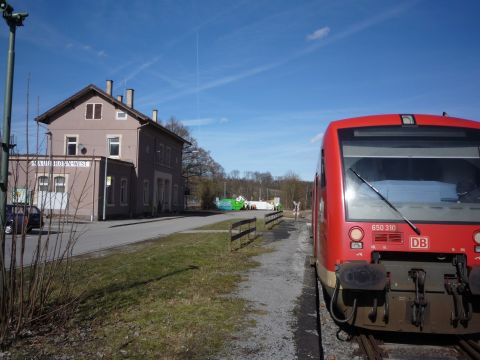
(396, 222)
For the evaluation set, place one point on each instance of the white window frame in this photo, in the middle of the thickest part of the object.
(93, 111)
(118, 117)
(44, 183)
(119, 146)
(66, 143)
(146, 194)
(123, 192)
(64, 183)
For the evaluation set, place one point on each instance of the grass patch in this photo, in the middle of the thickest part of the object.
(160, 299)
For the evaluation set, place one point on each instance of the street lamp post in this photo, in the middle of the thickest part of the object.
(13, 20)
(105, 177)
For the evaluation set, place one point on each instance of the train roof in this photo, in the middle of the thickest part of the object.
(396, 119)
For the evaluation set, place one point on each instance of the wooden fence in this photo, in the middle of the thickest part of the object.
(241, 229)
(273, 218)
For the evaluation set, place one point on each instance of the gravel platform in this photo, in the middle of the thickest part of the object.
(273, 289)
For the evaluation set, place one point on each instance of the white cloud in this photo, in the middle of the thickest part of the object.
(223, 120)
(317, 138)
(319, 34)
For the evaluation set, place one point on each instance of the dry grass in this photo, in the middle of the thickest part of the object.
(162, 299)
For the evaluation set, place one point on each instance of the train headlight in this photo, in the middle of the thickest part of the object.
(356, 234)
(476, 237)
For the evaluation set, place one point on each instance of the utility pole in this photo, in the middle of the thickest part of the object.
(13, 20)
(105, 177)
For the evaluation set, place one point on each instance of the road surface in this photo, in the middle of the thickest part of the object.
(96, 236)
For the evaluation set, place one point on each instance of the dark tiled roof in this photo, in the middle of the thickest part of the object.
(142, 118)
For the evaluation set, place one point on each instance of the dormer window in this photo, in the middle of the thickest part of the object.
(93, 112)
(121, 115)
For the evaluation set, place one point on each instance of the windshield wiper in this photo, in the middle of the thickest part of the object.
(417, 230)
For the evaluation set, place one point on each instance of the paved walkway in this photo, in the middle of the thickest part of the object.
(102, 235)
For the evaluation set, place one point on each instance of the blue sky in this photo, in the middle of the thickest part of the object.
(257, 81)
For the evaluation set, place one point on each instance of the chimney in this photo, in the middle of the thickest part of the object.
(109, 87)
(130, 98)
(155, 115)
(120, 98)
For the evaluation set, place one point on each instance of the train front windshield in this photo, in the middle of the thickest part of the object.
(429, 174)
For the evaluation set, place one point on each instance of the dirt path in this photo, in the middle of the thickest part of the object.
(274, 289)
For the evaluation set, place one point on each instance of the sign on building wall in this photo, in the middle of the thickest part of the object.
(21, 196)
(61, 163)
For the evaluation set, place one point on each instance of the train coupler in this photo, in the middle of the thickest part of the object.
(462, 307)
(420, 303)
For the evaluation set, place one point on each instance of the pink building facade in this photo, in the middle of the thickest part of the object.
(105, 160)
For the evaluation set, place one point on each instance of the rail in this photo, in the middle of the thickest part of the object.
(273, 217)
(469, 347)
(369, 346)
(238, 230)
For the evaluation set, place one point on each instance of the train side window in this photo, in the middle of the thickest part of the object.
(323, 181)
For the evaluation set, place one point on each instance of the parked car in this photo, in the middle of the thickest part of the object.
(22, 216)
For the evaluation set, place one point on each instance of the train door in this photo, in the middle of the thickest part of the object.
(314, 212)
(321, 212)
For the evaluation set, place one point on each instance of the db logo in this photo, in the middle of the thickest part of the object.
(418, 242)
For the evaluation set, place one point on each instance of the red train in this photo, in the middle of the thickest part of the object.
(396, 223)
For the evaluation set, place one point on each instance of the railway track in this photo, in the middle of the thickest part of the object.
(373, 348)
(470, 348)
(369, 346)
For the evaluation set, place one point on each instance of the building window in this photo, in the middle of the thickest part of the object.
(159, 154)
(123, 192)
(110, 191)
(42, 183)
(175, 195)
(121, 115)
(93, 112)
(168, 157)
(71, 144)
(113, 146)
(59, 182)
(146, 192)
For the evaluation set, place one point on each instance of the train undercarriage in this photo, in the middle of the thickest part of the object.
(410, 292)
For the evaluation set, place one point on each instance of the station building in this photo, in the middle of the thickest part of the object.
(104, 160)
